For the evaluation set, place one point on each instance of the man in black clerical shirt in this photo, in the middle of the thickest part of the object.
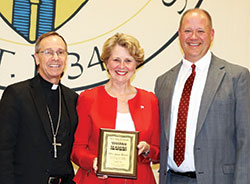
(37, 121)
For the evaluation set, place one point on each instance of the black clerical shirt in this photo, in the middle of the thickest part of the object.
(51, 99)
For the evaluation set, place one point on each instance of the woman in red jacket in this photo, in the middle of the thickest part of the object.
(121, 106)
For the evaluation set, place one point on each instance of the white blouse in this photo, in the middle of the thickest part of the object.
(124, 122)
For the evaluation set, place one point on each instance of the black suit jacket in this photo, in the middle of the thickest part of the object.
(25, 133)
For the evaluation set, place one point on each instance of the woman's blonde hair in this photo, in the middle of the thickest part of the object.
(127, 41)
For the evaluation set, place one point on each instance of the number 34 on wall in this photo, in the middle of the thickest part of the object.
(74, 62)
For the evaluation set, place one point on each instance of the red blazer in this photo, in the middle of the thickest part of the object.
(97, 109)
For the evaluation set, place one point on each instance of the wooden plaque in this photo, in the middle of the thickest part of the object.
(117, 153)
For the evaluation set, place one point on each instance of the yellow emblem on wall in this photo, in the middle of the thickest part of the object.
(31, 18)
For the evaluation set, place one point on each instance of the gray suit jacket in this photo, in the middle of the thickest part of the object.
(222, 142)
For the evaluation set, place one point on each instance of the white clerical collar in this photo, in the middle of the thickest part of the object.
(54, 87)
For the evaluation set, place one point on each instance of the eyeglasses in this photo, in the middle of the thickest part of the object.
(50, 53)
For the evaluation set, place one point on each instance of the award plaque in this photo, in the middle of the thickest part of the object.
(117, 153)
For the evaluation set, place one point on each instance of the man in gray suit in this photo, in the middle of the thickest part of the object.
(215, 148)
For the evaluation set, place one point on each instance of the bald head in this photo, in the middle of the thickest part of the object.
(198, 11)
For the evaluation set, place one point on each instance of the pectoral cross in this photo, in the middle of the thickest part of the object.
(55, 144)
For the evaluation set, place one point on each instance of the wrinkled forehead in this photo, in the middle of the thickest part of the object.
(54, 42)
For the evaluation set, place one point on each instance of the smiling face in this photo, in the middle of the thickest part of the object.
(195, 35)
(51, 58)
(121, 65)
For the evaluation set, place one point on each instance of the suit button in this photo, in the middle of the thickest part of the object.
(165, 172)
(47, 171)
(167, 148)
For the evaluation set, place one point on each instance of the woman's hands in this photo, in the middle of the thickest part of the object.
(95, 168)
(143, 148)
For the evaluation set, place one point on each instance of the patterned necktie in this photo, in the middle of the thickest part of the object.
(180, 132)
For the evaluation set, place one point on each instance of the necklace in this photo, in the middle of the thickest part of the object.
(54, 133)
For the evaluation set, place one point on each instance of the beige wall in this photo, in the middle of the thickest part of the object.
(148, 20)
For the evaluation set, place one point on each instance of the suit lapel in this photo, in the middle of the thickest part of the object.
(214, 78)
(167, 103)
(39, 100)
